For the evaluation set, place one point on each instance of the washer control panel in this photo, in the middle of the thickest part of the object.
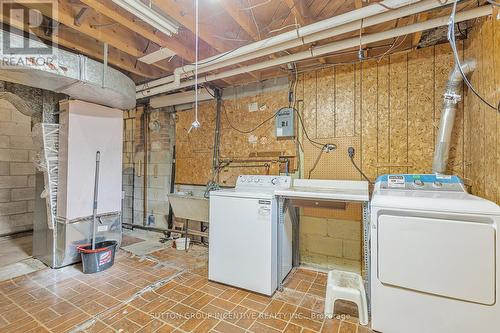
(421, 182)
(265, 182)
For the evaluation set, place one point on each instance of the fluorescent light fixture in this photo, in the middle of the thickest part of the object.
(180, 98)
(148, 15)
(156, 56)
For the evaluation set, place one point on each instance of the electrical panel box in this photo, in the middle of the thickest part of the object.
(285, 123)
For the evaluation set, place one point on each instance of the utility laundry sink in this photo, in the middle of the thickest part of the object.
(188, 206)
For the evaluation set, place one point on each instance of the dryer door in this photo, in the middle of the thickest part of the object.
(447, 258)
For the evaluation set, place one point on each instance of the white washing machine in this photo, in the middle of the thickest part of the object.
(435, 257)
(243, 234)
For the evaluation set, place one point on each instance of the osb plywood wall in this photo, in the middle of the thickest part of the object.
(388, 110)
(481, 123)
(257, 152)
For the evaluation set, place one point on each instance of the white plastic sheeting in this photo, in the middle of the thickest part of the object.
(46, 140)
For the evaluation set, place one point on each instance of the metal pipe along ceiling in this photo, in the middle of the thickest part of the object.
(330, 27)
(299, 33)
(326, 49)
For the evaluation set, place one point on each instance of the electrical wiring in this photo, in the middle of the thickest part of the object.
(322, 146)
(231, 39)
(301, 122)
(255, 21)
(315, 163)
(250, 130)
(281, 18)
(351, 152)
(453, 44)
(295, 25)
(385, 6)
(257, 5)
(360, 171)
(313, 142)
(392, 47)
(316, 144)
(208, 91)
(216, 58)
(308, 68)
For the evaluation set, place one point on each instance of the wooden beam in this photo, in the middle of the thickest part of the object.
(177, 11)
(117, 37)
(116, 58)
(87, 46)
(81, 16)
(244, 21)
(127, 20)
(358, 4)
(300, 11)
(418, 35)
(174, 9)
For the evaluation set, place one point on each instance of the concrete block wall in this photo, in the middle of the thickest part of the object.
(17, 173)
(160, 147)
(333, 242)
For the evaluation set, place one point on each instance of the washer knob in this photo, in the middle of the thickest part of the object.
(274, 181)
(418, 183)
(438, 184)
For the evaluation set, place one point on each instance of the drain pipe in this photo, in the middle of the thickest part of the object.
(451, 98)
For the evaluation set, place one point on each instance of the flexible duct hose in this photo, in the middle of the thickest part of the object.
(451, 98)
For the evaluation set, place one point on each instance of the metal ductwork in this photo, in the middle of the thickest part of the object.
(72, 74)
(451, 98)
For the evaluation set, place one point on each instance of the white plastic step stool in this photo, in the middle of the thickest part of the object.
(346, 286)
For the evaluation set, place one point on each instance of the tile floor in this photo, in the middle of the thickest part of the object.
(15, 248)
(15, 256)
(164, 291)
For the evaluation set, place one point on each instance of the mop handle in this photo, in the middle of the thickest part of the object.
(96, 189)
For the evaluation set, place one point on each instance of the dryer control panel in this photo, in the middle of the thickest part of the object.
(421, 182)
(264, 182)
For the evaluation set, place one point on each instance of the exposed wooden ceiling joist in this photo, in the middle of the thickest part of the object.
(242, 18)
(87, 46)
(182, 15)
(80, 16)
(301, 12)
(225, 26)
(116, 36)
(116, 14)
(178, 12)
(418, 36)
